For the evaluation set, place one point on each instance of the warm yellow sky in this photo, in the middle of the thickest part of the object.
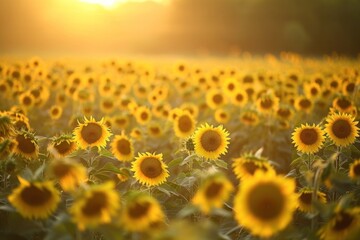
(67, 26)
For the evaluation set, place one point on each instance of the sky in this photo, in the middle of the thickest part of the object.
(76, 27)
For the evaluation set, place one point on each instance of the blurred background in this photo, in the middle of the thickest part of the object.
(219, 27)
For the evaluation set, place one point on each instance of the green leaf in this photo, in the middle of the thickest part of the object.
(187, 211)
(106, 153)
(175, 162)
(110, 167)
(221, 163)
(188, 159)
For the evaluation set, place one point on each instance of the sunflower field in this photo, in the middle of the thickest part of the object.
(194, 148)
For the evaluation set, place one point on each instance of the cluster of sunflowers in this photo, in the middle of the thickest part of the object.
(247, 148)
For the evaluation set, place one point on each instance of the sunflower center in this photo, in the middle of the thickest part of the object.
(155, 130)
(91, 133)
(184, 123)
(139, 210)
(251, 167)
(343, 103)
(266, 201)
(63, 147)
(151, 167)
(27, 101)
(357, 169)
(334, 84)
(308, 136)
(350, 87)
(95, 204)
(218, 98)
(55, 111)
(284, 112)
(314, 91)
(266, 103)
(210, 140)
(305, 103)
(144, 116)
(25, 145)
(341, 128)
(61, 170)
(231, 86)
(108, 105)
(306, 197)
(343, 221)
(239, 97)
(213, 190)
(123, 146)
(34, 196)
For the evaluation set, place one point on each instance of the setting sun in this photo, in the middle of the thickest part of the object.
(104, 3)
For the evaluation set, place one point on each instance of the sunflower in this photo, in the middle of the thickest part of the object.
(341, 129)
(343, 104)
(222, 115)
(305, 201)
(285, 113)
(91, 134)
(63, 145)
(348, 88)
(212, 193)
(246, 166)
(312, 90)
(308, 138)
(95, 205)
(215, 98)
(210, 142)
(7, 147)
(26, 145)
(341, 225)
(142, 115)
(141, 212)
(184, 124)
(55, 112)
(303, 104)
(192, 108)
(149, 169)
(120, 121)
(27, 100)
(35, 200)
(239, 98)
(69, 173)
(136, 133)
(249, 117)
(354, 170)
(122, 148)
(155, 130)
(107, 105)
(230, 86)
(267, 103)
(265, 203)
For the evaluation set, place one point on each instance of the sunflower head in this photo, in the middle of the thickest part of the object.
(341, 225)
(91, 133)
(55, 112)
(149, 169)
(184, 124)
(265, 203)
(249, 118)
(308, 138)
(63, 145)
(35, 200)
(26, 145)
(122, 147)
(354, 170)
(70, 174)
(305, 199)
(95, 206)
(342, 129)
(141, 212)
(213, 192)
(210, 142)
(246, 166)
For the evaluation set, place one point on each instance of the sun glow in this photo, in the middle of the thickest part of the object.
(104, 3)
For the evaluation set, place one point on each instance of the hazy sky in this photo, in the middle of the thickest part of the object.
(71, 27)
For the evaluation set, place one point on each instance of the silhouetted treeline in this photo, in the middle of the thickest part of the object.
(305, 26)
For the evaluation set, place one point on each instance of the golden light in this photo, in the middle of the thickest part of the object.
(104, 3)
